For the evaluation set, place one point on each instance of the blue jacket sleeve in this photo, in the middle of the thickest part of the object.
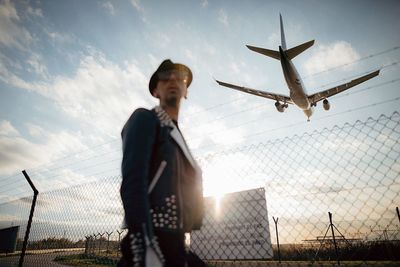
(138, 137)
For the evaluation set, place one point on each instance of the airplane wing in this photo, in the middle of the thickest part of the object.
(314, 98)
(273, 96)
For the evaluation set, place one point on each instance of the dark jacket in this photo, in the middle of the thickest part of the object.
(161, 182)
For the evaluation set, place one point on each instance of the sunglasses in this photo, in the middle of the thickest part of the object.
(181, 76)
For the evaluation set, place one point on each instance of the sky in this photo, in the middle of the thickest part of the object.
(72, 72)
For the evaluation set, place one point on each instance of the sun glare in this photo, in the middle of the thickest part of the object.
(229, 174)
(218, 199)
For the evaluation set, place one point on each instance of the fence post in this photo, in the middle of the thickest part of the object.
(87, 244)
(108, 240)
(277, 237)
(119, 241)
(28, 227)
(101, 236)
(398, 213)
(94, 243)
(333, 237)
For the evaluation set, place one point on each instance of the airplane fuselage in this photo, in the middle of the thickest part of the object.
(293, 80)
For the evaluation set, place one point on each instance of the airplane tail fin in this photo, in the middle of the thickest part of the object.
(283, 39)
(271, 53)
(266, 52)
(293, 52)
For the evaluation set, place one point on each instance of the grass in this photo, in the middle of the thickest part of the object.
(85, 260)
(103, 261)
(260, 263)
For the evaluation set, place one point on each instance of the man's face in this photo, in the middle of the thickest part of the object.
(171, 87)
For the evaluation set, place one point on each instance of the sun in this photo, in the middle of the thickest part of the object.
(227, 174)
(219, 179)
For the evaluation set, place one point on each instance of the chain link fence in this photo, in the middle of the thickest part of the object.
(323, 198)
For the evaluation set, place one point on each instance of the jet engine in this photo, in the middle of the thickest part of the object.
(280, 107)
(326, 104)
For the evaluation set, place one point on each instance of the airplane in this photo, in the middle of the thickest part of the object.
(298, 95)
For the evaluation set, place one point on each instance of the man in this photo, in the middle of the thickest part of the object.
(161, 186)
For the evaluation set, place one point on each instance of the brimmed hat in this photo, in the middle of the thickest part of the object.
(167, 65)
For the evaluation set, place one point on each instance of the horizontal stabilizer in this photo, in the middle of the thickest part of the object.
(293, 52)
(266, 52)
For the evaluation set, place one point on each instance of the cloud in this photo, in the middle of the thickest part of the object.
(109, 7)
(209, 48)
(104, 193)
(18, 153)
(213, 131)
(139, 8)
(59, 37)
(36, 12)
(64, 178)
(196, 53)
(100, 94)
(136, 4)
(15, 36)
(35, 130)
(11, 33)
(190, 55)
(10, 78)
(6, 129)
(330, 56)
(204, 3)
(6, 62)
(161, 39)
(240, 69)
(274, 39)
(223, 17)
(154, 62)
(34, 64)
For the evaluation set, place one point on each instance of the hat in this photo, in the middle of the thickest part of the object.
(167, 65)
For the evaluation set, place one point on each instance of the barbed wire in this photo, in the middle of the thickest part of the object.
(97, 164)
(59, 184)
(204, 147)
(80, 161)
(312, 134)
(257, 120)
(91, 149)
(303, 176)
(389, 65)
(352, 62)
(303, 122)
(305, 77)
(9, 177)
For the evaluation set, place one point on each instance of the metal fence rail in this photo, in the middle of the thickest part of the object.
(349, 174)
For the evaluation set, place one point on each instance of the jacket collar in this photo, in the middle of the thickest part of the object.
(166, 120)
